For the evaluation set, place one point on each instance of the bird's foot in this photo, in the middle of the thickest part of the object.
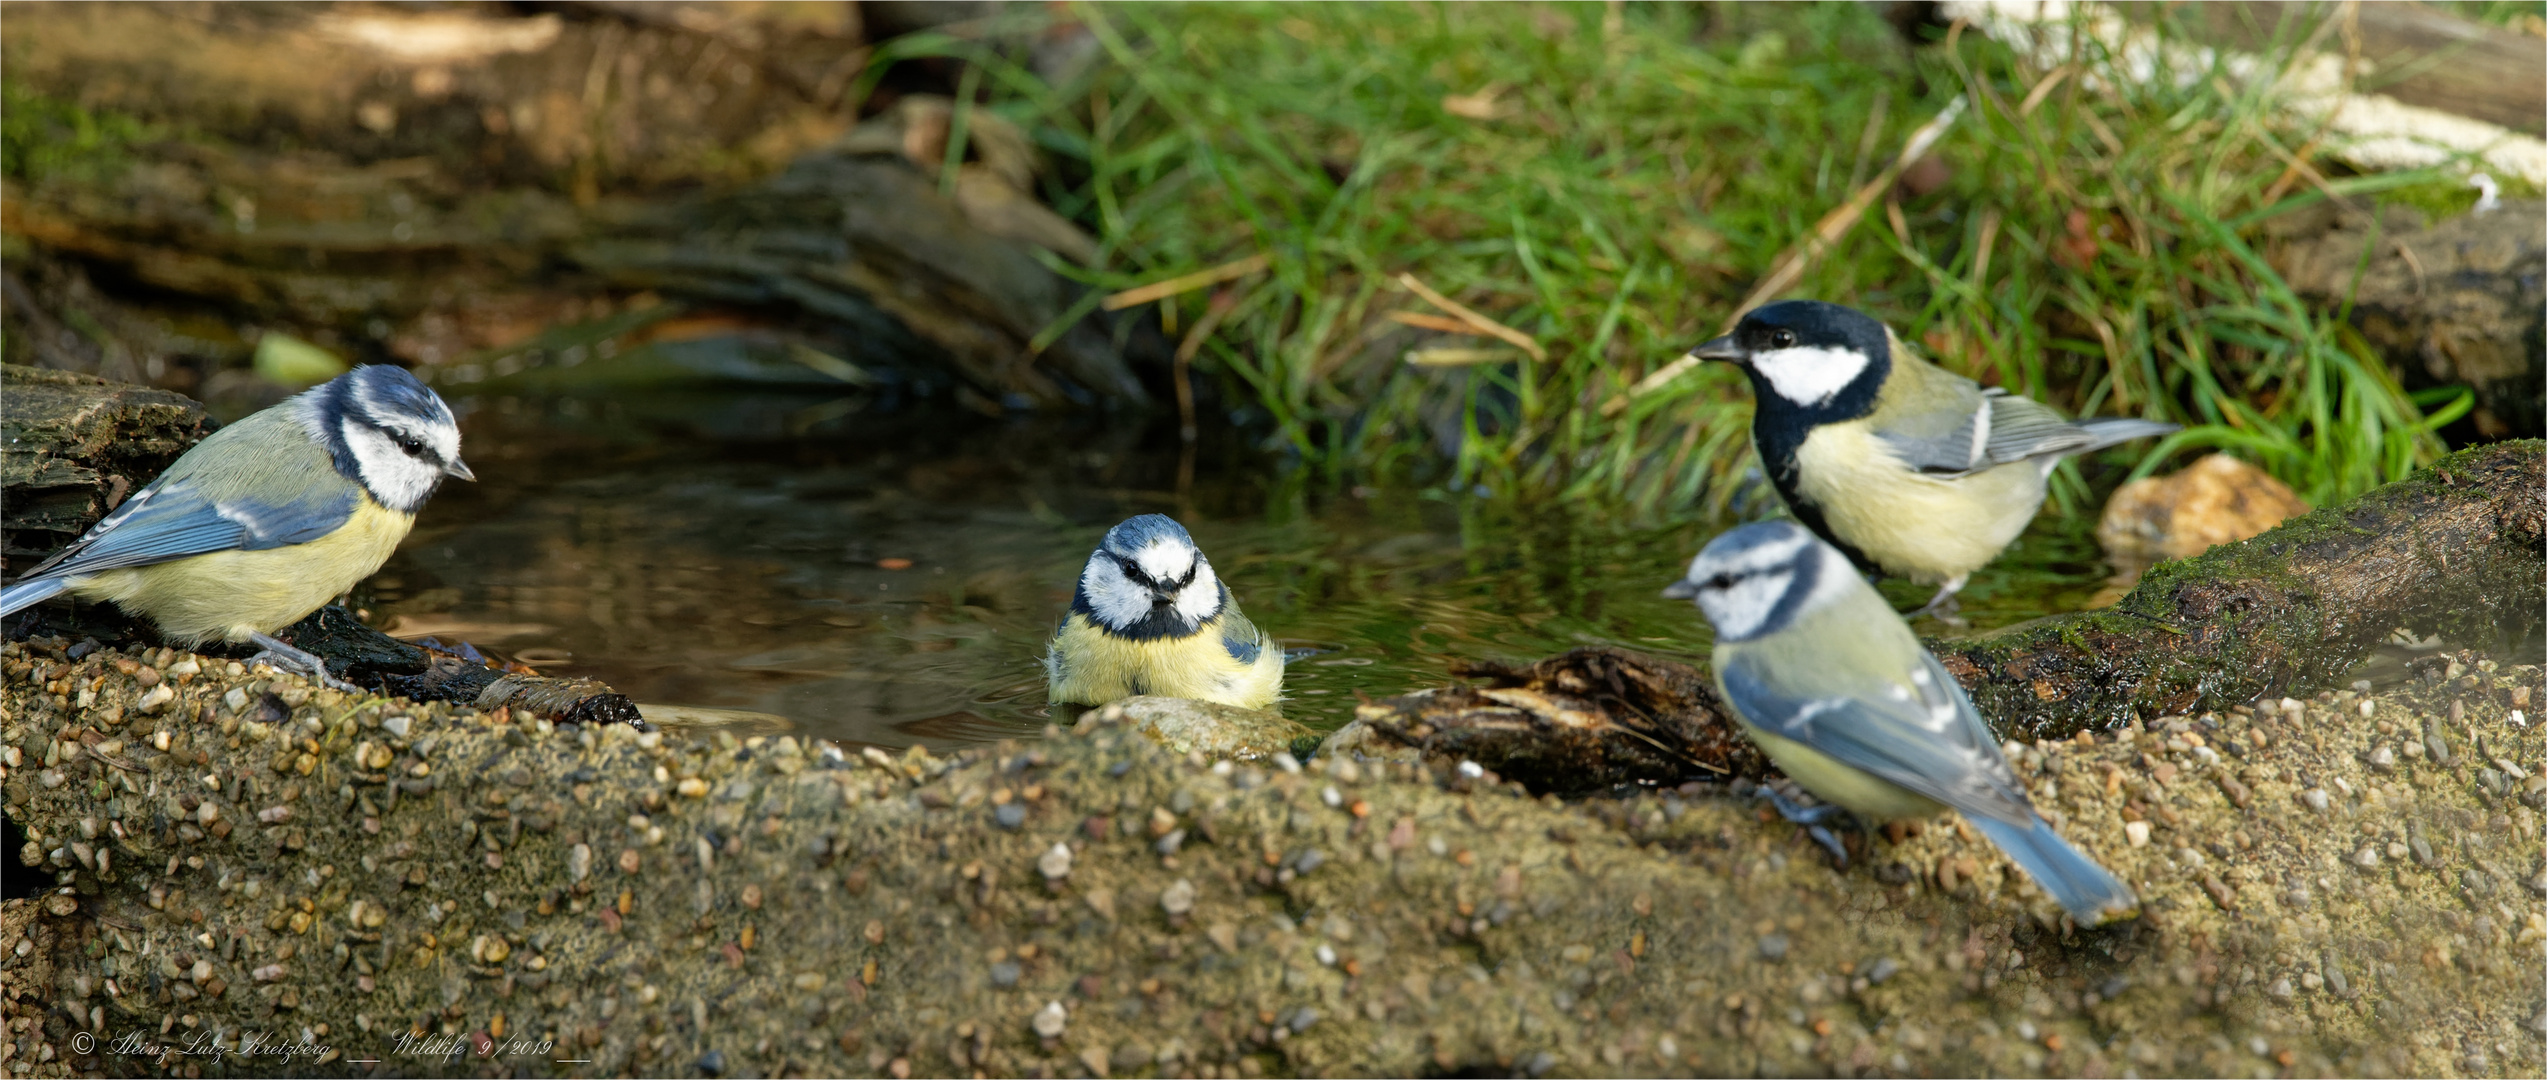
(1944, 607)
(1812, 818)
(284, 657)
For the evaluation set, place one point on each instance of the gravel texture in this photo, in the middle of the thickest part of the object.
(333, 878)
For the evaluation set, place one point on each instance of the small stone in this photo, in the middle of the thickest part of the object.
(2383, 758)
(1773, 946)
(156, 700)
(579, 862)
(712, 1063)
(1010, 815)
(1882, 969)
(1178, 899)
(629, 861)
(396, 725)
(1005, 973)
(2316, 799)
(2367, 858)
(1051, 1020)
(1054, 864)
(1301, 1019)
(2137, 832)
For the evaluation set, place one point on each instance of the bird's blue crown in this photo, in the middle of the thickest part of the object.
(1135, 534)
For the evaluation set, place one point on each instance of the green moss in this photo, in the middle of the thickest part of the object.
(47, 139)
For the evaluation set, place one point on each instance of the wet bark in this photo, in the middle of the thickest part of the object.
(367, 657)
(1589, 720)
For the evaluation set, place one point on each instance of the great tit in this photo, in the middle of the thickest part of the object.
(1150, 617)
(1834, 688)
(1907, 468)
(266, 519)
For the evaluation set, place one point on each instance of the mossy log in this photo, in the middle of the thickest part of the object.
(2458, 549)
(355, 885)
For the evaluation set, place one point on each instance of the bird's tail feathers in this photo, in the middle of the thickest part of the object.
(27, 594)
(2086, 890)
(2109, 430)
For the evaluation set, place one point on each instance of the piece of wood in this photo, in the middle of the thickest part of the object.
(73, 447)
(2417, 54)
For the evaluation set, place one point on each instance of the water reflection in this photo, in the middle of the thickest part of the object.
(891, 579)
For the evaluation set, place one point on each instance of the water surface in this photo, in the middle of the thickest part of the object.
(891, 579)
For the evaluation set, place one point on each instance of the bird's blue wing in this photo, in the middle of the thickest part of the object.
(1244, 642)
(172, 520)
(1925, 738)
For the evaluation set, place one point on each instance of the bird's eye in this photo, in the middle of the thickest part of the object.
(1721, 581)
(1781, 339)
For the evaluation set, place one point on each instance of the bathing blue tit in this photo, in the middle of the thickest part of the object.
(1905, 467)
(268, 518)
(1150, 617)
(1834, 688)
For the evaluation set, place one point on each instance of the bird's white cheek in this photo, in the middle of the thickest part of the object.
(1739, 610)
(1809, 375)
(395, 479)
(1200, 598)
(1118, 602)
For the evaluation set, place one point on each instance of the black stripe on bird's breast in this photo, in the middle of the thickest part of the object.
(1777, 451)
(1162, 623)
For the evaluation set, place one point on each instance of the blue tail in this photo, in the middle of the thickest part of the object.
(2089, 893)
(27, 594)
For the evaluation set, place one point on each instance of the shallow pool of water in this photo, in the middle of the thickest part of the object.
(891, 579)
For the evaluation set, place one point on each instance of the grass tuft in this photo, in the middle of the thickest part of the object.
(1611, 184)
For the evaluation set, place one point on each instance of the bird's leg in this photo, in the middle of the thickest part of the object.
(1811, 817)
(306, 664)
(1943, 605)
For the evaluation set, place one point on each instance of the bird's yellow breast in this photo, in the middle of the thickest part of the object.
(1929, 529)
(228, 595)
(1088, 666)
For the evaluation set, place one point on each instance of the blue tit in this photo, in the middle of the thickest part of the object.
(1905, 467)
(267, 519)
(1150, 617)
(1834, 688)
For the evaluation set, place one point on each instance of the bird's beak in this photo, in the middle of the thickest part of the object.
(1722, 348)
(1683, 589)
(459, 469)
